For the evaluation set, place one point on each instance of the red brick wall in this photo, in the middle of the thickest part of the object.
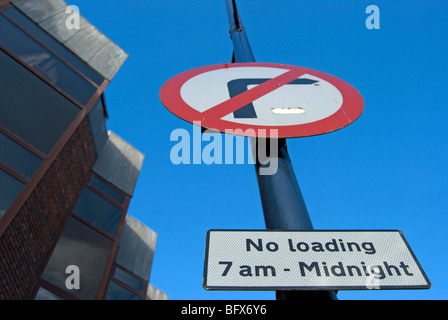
(27, 243)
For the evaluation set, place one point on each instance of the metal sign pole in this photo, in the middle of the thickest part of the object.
(282, 201)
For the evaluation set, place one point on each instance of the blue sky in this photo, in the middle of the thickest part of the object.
(385, 171)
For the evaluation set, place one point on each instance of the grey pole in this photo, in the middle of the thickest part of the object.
(282, 201)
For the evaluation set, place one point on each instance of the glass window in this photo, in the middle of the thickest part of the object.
(17, 157)
(97, 119)
(52, 44)
(45, 63)
(98, 211)
(30, 109)
(10, 188)
(107, 190)
(116, 292)
(85, 248)
(128, 279)
(44, 294)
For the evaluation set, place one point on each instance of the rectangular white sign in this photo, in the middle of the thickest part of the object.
(310, 260)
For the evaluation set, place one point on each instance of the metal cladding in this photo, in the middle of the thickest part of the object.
(87, 42)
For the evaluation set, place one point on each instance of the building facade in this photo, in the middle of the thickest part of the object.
(65, 180)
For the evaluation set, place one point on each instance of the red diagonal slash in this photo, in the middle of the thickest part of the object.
(246, 97)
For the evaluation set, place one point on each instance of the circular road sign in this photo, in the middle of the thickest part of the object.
(251, 99)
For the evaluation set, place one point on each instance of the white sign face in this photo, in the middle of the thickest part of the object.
(259, 97)
(310, 260)
(314, 99)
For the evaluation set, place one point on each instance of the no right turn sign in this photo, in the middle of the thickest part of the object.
(255, 98)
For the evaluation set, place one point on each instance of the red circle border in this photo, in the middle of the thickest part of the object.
(350, 110)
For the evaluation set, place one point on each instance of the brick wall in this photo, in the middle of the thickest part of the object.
(4, 2)
(27, 243)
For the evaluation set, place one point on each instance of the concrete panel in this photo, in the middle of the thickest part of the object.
(108, 59)
(87, 42)
(55, 25)
(155, 294)
(119, 163)
(136, 247)
(40, 10)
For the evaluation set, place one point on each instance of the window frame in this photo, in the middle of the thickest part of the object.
(125, 287)
(47, 159)
(85, 224)
(104, 195)
(81, 218)
(93, 83)
(110, 265)
(141, 294)
(10, 173)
